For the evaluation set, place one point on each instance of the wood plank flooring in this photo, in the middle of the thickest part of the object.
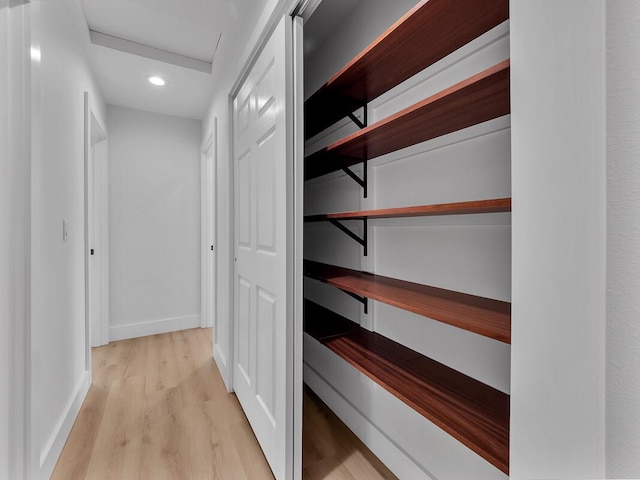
(158, 409)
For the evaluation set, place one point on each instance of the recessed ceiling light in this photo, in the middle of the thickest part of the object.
(158, 81)
(36, 54)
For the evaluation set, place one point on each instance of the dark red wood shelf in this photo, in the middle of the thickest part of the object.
(427, 33)
(484, 316)
(323, 324)
(497, 205)
(480, 98)
(475, 414)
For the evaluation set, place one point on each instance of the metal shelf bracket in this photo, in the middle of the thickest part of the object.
(361, 240)
(360, 123)
(363, 182)
(363, 300)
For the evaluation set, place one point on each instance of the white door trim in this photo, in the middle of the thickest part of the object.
(298, 234)
(278, 9)
(208, 229)
(15, 238)
(95, 133)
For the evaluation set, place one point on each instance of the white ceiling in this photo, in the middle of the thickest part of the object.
(123, 81)
(190, 28)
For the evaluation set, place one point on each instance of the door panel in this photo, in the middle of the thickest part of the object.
(243, 203)
(266, 328)
(263, 161)
(243, 292)
(266, 201)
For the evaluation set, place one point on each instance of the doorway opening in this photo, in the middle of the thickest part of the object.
(96, 231)
(209, 232)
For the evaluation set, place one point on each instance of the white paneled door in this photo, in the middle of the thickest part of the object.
(264, 333)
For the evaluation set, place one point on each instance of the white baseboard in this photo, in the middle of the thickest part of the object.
(223, 367)
(53, 448)
(154, 327)
(386, 450)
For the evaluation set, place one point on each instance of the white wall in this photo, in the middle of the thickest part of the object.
(559, 247)
(469, 253)
(14, 235)
(623, 239)
(6, 324)
(154, 222)
(60, 377)
(6, 352)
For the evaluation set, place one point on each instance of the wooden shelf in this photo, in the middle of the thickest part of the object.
(460, 208)
(323, 324)
(483, 97)
(484, 316)
(427, 33)
(473, 413)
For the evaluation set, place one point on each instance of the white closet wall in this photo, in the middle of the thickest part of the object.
(558, 94)
(623, 240)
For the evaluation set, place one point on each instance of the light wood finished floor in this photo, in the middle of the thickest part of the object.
(157, 409)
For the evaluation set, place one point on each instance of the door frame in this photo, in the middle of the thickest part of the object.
(208, 230)
(298, 11)
(95, 133)
(15, 240)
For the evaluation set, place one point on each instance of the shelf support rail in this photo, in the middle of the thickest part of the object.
(361, 240)
(363, 182)
(363, 300)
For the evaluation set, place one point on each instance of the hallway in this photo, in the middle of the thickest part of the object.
(157, 409)
(156, 156)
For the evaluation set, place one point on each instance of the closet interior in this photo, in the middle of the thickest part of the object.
(407, 229)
